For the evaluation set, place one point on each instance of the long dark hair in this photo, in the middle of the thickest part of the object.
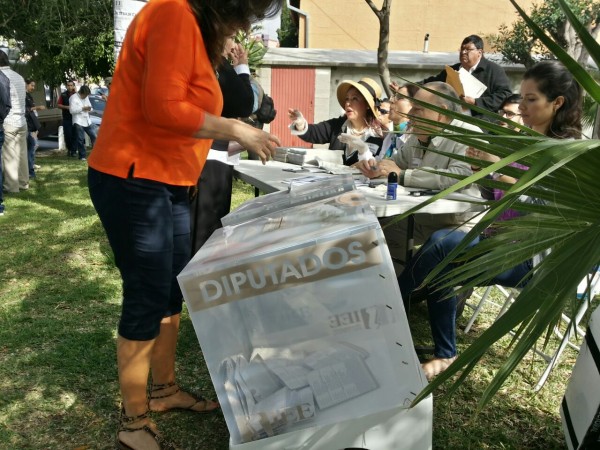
(553, 80)
(218, 19)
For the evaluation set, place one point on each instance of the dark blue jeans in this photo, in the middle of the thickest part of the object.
(80, 138)
(68, 134)
(148, 228)
(441, 304)
(31, 142)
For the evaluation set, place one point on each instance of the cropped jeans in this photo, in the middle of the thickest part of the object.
(441, 304)
(148, 227)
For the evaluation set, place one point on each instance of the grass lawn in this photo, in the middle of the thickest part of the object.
(59, 306)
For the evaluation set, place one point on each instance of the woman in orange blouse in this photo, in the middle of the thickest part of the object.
(164, 110)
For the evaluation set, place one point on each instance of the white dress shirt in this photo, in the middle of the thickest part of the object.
(76, 105)
(16, 116)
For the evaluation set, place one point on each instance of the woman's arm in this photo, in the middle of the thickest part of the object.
(257, 141)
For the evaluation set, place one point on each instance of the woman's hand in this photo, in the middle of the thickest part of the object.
(239, 55)
(478, 154)
(298, 121)
(374, 169)
(259, 142)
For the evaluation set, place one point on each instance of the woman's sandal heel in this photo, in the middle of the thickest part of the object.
(196, 399)
(125, 423)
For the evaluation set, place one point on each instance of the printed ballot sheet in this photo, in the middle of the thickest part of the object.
(464, 83)
(300, 318)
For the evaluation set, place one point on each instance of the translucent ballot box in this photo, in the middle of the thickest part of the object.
(301, 322)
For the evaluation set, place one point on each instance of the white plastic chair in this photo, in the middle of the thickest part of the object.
(571, 325)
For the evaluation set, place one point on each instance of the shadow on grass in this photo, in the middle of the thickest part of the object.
(60, 306)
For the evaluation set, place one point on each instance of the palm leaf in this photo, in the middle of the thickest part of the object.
(564, 173)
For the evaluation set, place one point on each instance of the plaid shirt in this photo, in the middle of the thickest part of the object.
(16, 116)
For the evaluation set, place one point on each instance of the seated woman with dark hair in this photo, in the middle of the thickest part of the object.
(551, 105)
(356, 132)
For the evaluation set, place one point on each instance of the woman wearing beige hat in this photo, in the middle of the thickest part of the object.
(357, 132)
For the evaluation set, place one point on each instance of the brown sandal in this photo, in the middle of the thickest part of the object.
(126, 421)
(197, 399)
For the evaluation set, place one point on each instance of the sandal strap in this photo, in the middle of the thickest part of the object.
(161, 441)
(125, 419)
(160, 387)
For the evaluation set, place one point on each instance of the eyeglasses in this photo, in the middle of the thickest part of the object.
(508, 114)
(467, 50)
(383, 111)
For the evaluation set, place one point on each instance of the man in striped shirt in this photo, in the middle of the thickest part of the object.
(14, 149)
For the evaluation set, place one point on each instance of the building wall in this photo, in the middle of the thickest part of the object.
(351, 24)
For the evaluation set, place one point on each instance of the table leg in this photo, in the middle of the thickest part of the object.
(410, 239)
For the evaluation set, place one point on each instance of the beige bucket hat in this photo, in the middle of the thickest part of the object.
(369, 89)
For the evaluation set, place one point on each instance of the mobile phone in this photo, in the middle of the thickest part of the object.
(424, 192)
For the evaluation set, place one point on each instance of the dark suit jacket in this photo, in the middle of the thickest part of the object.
(490, 74)
(238, 97)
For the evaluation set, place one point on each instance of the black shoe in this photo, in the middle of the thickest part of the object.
(461, 300)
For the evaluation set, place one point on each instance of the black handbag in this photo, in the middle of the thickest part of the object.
(33, 122)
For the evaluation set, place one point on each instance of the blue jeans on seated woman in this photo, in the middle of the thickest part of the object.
(441, 304)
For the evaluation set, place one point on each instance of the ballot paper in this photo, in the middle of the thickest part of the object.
(331, 167)
(464, 83)
(269, 395)
(472, 86)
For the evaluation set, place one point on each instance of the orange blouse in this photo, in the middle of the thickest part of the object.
(162, 86)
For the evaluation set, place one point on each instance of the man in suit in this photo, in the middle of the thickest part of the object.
(489, 73)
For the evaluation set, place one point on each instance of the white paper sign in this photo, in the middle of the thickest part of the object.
(125, 11)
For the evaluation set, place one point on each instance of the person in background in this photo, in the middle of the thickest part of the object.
(33, 125)
(357, 132)
(213, 200)
(107, 83)
(67, 119)
(80, 107)
(414, 162)
(399, 109)
(489, 73)
(14, 148)
(383, 109)
(164, 111)
(5, 105)
(510, 110)
(551, 105)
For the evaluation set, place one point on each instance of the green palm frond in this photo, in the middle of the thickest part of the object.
(563, 173)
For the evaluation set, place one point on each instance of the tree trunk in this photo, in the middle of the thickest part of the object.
(383, 15)
(382, 52)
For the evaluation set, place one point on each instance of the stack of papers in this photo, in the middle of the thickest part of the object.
(464, 83)
(279, 387)
(296, 156)
(280, 154)
(331, 167)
